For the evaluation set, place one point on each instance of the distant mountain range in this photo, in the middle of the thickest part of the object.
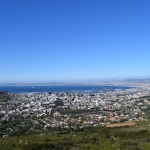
(80, 82)
(134, 80)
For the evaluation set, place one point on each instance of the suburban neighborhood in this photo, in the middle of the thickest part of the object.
(36, 112)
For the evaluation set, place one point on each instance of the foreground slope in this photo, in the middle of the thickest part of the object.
(135, 137)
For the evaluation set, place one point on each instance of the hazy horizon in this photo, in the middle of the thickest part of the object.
(74, 82)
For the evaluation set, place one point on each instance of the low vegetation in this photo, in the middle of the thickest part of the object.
(4, 97)
(135, 137)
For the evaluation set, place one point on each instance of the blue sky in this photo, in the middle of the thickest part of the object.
(46, 40)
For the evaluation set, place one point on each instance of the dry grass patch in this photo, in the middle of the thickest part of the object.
(121, 124)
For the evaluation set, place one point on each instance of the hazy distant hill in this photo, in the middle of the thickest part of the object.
(134, 80)
(79, 82)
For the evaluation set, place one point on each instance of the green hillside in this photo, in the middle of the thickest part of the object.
(94, 138)
(4, 97)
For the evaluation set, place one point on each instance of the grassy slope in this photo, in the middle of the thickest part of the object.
(94, 138)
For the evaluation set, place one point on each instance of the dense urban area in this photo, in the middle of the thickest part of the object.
(68, 113)
(36, 112)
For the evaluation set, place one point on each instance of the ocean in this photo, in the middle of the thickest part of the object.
(27, 89)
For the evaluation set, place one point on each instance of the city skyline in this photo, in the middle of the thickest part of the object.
(74, 40)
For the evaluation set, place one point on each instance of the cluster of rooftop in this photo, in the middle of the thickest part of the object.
(44, 111)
